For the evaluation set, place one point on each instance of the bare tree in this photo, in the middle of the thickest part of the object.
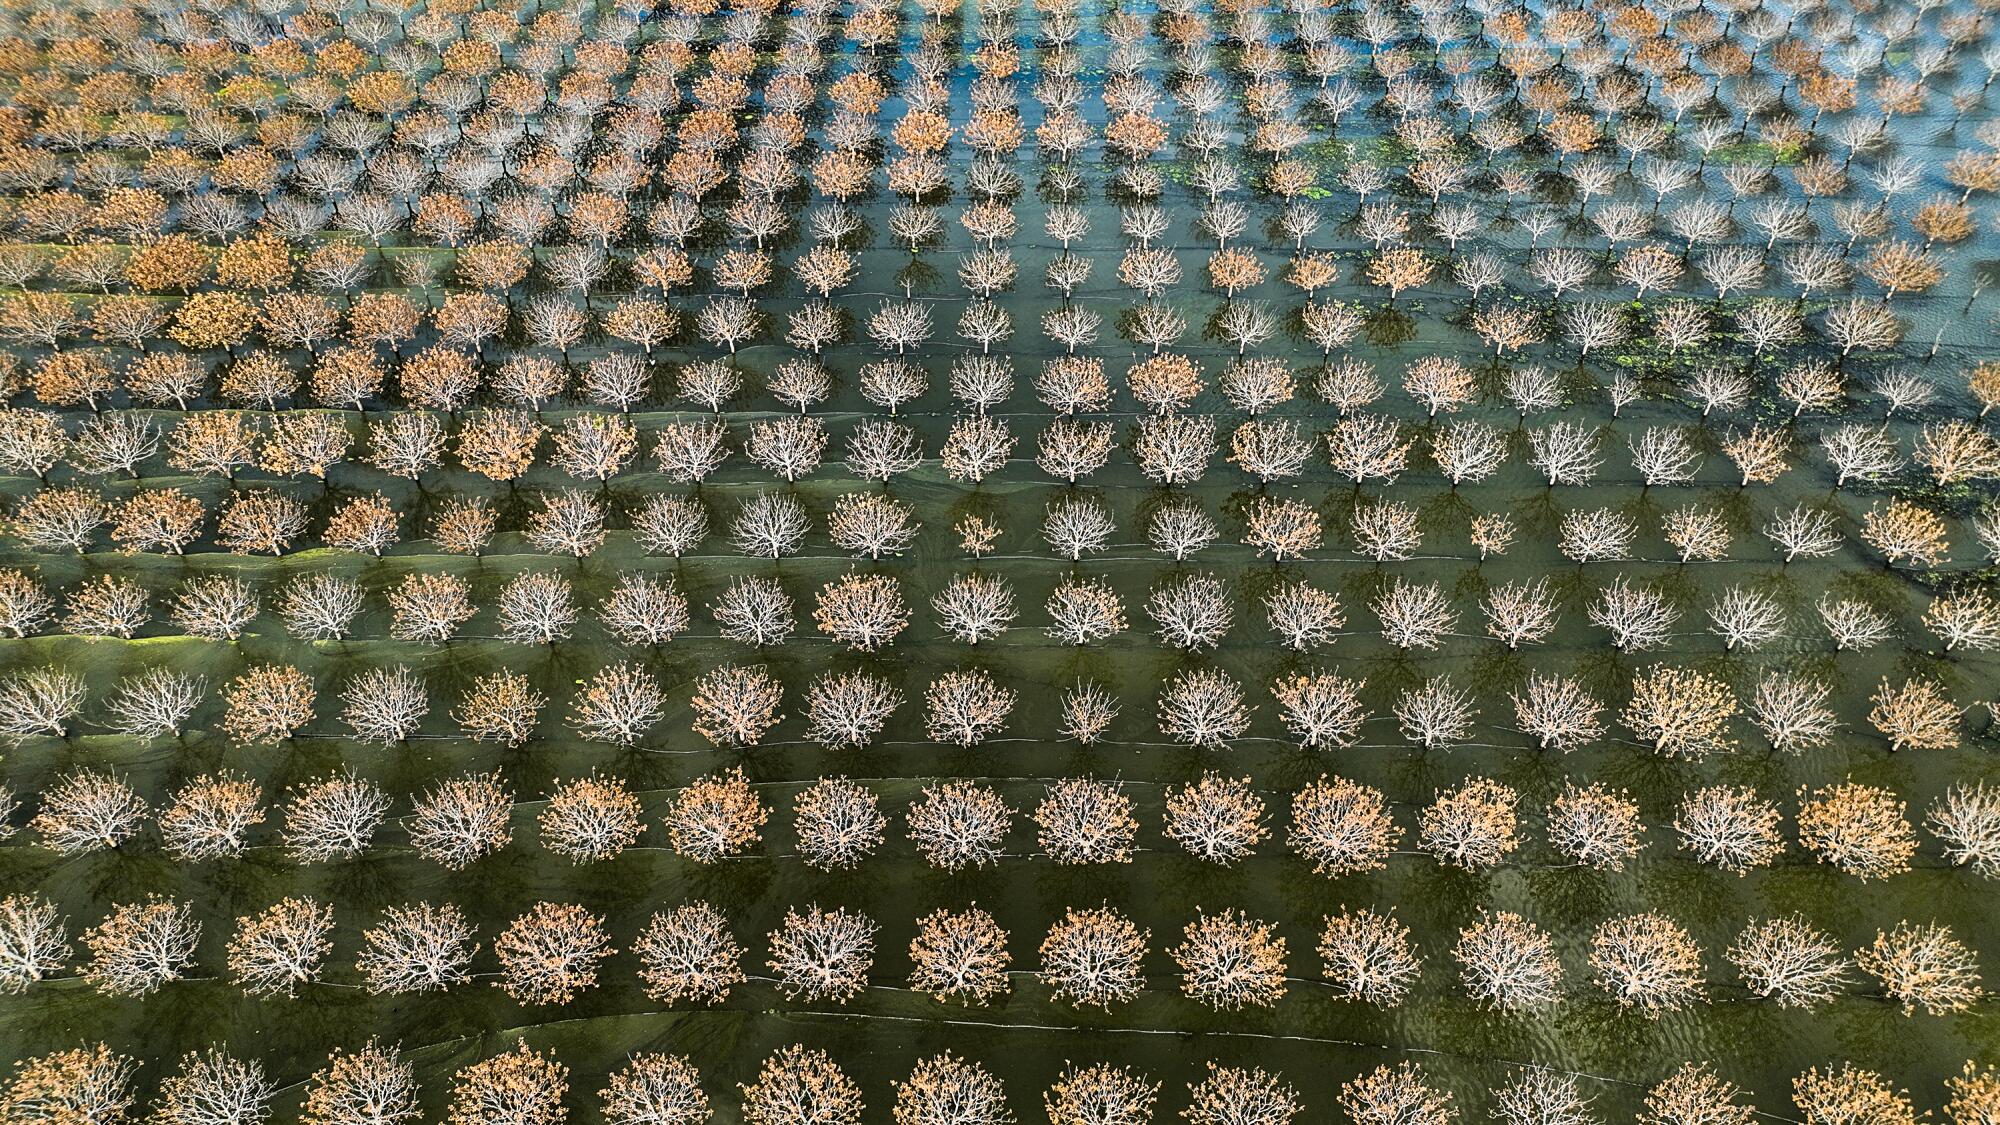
(1203, 707)
(959, 824)
(797, 1085)
(769, 525)
(1693, 1095)
(687, 953)
(520, 1085)
(837, 822)
(1787, 960)
(823, 954)
(214, 1088)
(34, 942)
(418, 948)
(211, 817)
(1648, 962)
(140, 946)
(1367, 956)
(333, 817)
(1967, 820)
(945, 1088)
(1084, 820)
(374, 1085)
(1342, 827)
(590, 818)
(1092, 957)
(1509, 963)
(1923, 966)
(716, 817)
(282, 947)
(1729, 827)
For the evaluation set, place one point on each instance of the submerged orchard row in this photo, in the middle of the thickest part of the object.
(407, 295)
(1091, 957)
(377, 1084)
(1337, 825)
(1680, 429)
(1678, 711)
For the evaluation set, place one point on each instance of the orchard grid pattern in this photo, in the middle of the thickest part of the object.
(815, 561)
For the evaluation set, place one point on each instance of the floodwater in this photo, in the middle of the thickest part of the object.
(1315, 1041)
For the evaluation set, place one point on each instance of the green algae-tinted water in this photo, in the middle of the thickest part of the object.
(1314, 1040)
